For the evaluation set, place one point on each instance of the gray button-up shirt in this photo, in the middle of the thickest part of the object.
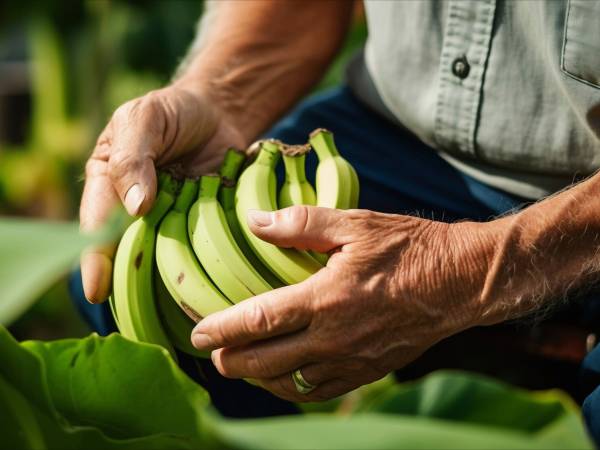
(507, 91)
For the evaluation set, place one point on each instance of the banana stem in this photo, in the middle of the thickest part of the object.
(322, 142)
(269, 153)
(209, 186)
(295, 168)
(232, 163)
(186, 196)
(167, 187)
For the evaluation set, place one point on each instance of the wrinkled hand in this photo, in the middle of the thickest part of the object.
(170, 125)
(393, 286)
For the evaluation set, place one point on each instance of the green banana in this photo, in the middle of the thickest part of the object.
(296, 189)
(336, 180)
(177, 324)
(185, 279)
(216, 249)
(256, 189)
(133, 292)
(229, 171)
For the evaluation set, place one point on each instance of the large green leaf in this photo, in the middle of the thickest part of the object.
(111, 393)
(443, 410)
(96, 393)
(34, 254)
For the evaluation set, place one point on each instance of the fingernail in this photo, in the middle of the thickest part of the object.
(202, 341)
(134, 199)
(260, 218)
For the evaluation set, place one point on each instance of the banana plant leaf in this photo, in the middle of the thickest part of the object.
(34, 254)
(112, 393)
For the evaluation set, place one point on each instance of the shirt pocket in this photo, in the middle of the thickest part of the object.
(581, 42)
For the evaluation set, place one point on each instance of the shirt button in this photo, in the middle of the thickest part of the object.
(461, 67)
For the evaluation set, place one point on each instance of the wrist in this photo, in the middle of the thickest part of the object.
(473, 253)
(229, 113)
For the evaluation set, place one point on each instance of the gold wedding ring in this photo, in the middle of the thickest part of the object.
(302, 386)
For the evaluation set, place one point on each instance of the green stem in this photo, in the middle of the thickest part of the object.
(209, 186)
(322, 142)
(269, 153)
(232, 163)
(167, 187)
(295, 168)
(186, 196)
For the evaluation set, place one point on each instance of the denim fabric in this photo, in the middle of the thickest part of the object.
(398, 174)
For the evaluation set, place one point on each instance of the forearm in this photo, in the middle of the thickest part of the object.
(256, 58)
(542, 254)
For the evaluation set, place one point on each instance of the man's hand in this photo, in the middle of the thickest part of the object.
(236, 82)
(393, 286)
(171, 125)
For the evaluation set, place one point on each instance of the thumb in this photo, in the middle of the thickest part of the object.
(301, 227)
(135, 146)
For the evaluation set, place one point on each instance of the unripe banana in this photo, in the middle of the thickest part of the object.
(133, 290)
(229, 171)
(176, 323)
(256, 190)
(296, 189)
(336, 179)
(185, 279)
(216, 249)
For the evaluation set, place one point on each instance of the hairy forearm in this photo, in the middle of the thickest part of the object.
(256, 58)
(542, 254)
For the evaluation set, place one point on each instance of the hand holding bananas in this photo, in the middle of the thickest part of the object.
(164, 126)
(394, 286)
(389, 290)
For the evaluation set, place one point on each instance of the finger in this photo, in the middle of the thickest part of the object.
(285, 388)
(138, 129)
(302, 227)
(265, 359)
(273, 313)
(98, 202)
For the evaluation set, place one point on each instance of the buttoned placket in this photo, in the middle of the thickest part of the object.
(463, 62)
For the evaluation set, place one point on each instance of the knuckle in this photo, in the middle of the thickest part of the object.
(256, 320)
(123, 162)
(295, 218)
(257, 366)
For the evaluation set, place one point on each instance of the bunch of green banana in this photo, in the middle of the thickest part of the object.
(133, 297)
(193, 254)
(256, 189)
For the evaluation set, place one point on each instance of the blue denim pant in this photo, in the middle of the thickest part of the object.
(398, 174)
